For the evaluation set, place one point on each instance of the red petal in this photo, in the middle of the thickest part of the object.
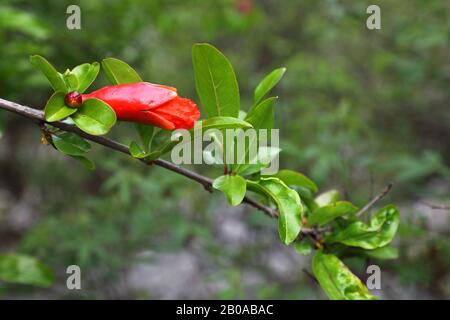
(180, 111)
(128, 98)
(149, 117)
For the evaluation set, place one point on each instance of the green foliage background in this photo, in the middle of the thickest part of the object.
(358, 108)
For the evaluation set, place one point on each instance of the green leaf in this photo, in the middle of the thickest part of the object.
(303, 248)
(264, 157)
(294, 178)
(288, 202)
(71, 81)
(153, 155)
(327, 198)
(55, 109)
(146, 135)
(23, 269)
(86, 74)
(222, 123)
(119, 72)
(326, 214)
(379, 232)
(234, 188)
(338, 282)
(95, 117)
(162, 141)
(88, 163)
(267, 84)
(54, 77)
(262, 115)
(71, 144)
(383, 253)
(215, 81)
(136, 150)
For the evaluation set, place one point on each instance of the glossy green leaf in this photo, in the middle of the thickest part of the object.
(294, 178)
(54, 77)
(71, 81)
(303, 248)
(262, 115)
(71, 144)
(267, 84)
(86, 74)
(234, 188)
(162, 141)
(55, 109)
(153, 155)
(119, 72)
(379, 232)
(136, 151)
(327, 198)
(23, 269)
(161, 137)
(264, 157)
(326, 214)
(88, 163)
(95, 117)
(146, 134)
(338, 282)
(288, 202)
(383, 253)
(215, 81)
(222, 123)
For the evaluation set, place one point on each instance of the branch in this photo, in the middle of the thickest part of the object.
(38, 117)
(375, 199)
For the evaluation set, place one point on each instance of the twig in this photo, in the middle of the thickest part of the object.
(375, 199)
(310, 275)
(435, 206)
(38, 117)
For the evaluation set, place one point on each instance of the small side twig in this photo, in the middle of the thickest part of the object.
(310, 275)
(375, 199)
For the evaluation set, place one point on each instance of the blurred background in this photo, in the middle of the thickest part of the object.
(357, 109)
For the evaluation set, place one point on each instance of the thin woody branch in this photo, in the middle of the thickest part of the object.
(375, 199)
(38, 117)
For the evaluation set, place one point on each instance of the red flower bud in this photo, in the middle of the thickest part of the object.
(73, 99)
(149, 103)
